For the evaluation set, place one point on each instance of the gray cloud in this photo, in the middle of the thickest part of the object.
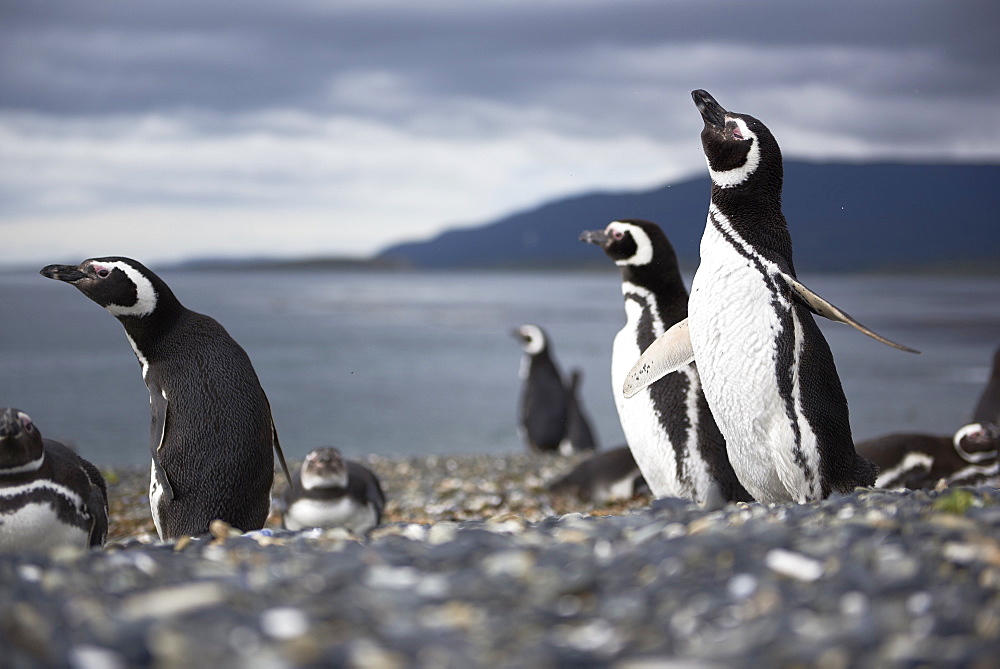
(387, 110)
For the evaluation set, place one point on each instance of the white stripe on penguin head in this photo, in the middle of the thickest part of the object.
(145, 294)
(737, 175)
(643, 245)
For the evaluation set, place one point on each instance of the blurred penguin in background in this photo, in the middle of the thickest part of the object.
(544, 401)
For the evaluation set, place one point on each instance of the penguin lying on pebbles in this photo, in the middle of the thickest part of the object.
(668, 425)
(766, 369)
(921, 461)
(603, 477)
(544, 398)
(329, 491)
(49, 495)
(211, 434)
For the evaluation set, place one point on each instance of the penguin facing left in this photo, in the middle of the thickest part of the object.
(668, 426)
(542, 408)
(329, 491)
(211, 433)
(49, 495)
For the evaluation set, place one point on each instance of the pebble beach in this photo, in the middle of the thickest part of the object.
(477, 565)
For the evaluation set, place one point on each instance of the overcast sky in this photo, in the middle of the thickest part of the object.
(185, 128)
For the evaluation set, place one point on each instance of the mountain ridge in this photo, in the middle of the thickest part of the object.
(842, 217)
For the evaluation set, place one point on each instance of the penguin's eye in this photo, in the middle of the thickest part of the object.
(736, 133)
(618, 234)
(26, 423)
(103, 272)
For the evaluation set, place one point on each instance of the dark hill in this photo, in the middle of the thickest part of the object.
(842, 217)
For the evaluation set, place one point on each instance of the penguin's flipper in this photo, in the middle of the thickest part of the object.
(667, 354)
(821, 307)
(159, 407)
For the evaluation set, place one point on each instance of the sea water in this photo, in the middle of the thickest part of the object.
(418, 363)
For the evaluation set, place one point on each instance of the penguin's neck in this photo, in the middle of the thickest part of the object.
(665, 284)
(144, 332)
(754, 214)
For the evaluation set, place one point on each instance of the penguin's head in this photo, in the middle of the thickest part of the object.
(532, 338)
(121, 285)
(21, 448)
(977, 442)
(324, 468)
(630, 241)
(737, 146)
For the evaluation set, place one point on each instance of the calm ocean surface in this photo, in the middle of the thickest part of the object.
(422, 363)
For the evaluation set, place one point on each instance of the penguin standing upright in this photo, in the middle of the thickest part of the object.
(542, 409)
(767, 371)
(329, 491)
(669, 428)
(988, 407)
(49, 495)
(211, 435)
(579, 435)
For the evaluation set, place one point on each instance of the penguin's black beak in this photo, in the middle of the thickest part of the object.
(598, 237)
(10, 424)
(516, 334)
(66, 273)
(711, 111)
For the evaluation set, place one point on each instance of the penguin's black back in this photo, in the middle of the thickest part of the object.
(543, 405)
(217, 452)
(66, 466)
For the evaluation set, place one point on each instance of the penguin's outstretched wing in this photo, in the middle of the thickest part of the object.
(821, 307)
(159, 407)
(671, 351)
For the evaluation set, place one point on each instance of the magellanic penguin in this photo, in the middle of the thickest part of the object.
(988, 407)
(979, 446)
(329, 491)
(542, 408)
(603, 477)
(49, 495)
(579, 435)
(767, 371)
(921, 461)
(211, 435)
(668, 425)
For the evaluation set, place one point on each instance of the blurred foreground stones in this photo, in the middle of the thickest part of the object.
(477, 566)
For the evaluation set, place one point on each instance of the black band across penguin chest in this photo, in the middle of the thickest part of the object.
(669, 395)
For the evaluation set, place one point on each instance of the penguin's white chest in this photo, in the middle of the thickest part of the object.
(36, 525)
(738, 322)
(344, 512)
(644, 426)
